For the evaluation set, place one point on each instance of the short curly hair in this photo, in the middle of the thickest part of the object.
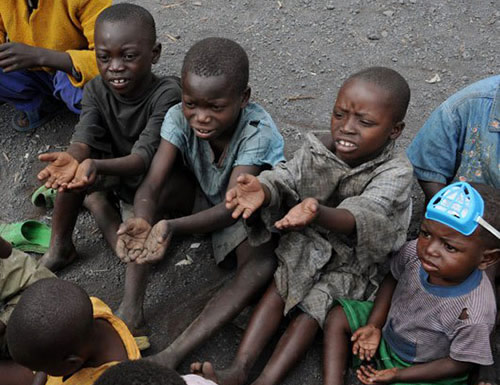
(215, 56)
(126, 12)
(140, 372)
(391, 81)
(491, 198)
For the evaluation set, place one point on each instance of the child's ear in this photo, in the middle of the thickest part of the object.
(396, 130)
(245, 97)
(74, 363)
(490, 257)
(156, 53)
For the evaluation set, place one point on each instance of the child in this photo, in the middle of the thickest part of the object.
(118, 131)
(148, 373)
(207, 142)
(350, 199)
(460, 140)
(17, 271)
(58, 330)
(434, 312)
(48, 56)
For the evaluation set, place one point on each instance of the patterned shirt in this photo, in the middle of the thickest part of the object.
(427, 322)
(460, 140)
(317, 266)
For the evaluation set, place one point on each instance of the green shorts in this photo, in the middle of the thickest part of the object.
(357, 313)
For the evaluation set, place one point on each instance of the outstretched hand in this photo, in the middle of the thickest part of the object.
(132, 235)
(18, 56)
(246, 197)
(60, 171)
(85, 175)
(300, 215)
(369, 376)
(365, 342)
(157, 243)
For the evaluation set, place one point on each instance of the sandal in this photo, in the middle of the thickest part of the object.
(44, 197)
(35, 118)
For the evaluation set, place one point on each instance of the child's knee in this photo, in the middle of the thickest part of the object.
(336, 319)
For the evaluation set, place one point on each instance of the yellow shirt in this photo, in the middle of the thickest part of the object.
(61, 25)
(87, 376)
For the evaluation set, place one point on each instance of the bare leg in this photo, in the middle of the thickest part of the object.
(136, 276)
(291, 347)
(107, 217)
(336, 348)
(263, 325)
(255, 269)
(61, 250)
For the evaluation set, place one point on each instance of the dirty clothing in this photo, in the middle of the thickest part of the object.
(115, 127)
(461, 139)
(427, 322)
(194, 379)
(317, 266)
(256, 141)
(87, 376)
(17, 273)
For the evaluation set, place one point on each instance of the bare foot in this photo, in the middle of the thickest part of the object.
(133, 318)
(56, 261)
(231, 376)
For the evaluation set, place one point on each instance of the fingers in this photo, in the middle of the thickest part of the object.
(48, 156)
(365, 374)
(245, 178)
(238, 210)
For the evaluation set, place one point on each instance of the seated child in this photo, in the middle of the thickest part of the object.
(17, 271)
(207, 142)
(148, 373)
(435, 310)
(58, 330)
(350, 205)
(118, 131)
(46, 56)
(460, 140)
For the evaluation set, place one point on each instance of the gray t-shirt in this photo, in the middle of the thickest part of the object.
(115, 127)
(427, 322)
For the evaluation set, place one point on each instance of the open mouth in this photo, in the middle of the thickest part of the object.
(345, 145)
(119, 82)
(427, 265)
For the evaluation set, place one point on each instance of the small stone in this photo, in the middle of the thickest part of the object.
(384, 33)
(330, 6)
(388, 13)
(394, 59)
(373, 36)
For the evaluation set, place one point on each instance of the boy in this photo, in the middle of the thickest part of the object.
(207, 142)
(437, 304)
(350, 205)
(17, 271)
(118, 131)
(460, 140)
(148, 373)
(48, 56)
(58, 330)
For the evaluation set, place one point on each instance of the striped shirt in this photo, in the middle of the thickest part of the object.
(427, 322)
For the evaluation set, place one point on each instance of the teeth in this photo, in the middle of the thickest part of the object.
(346, 144)
(118, 81)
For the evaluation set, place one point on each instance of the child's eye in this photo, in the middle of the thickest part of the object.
(103, 58)
(449, 247)
(366, 123)
(424, 234)
(217, 108)
(129, 57)
(188, 104)
(337, 115)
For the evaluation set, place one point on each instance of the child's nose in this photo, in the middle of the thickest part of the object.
(116, 65)
(432, 249)
(202, 116)
(347, 126)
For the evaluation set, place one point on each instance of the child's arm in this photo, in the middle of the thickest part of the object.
(88, 170)
(428, 372)
(206, 221)
(18, 56)
(430, 188)
(40, 378)
(367, 338)
(63, 165)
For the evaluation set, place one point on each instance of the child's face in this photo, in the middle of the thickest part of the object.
(124, 57)
(211, 106)
(448, 256)
(5, 248)
(362, 122)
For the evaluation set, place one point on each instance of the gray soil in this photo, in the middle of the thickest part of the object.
(300, 51)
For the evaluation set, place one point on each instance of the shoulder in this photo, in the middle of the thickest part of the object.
(254, 118)
(481, 303)
(170, 85)
(407, 254)
(397, 165)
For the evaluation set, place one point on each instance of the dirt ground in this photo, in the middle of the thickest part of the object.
(300, 51)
